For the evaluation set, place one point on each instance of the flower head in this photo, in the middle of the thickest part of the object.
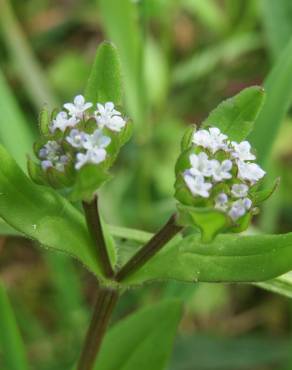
(77, 108)
(215, 175)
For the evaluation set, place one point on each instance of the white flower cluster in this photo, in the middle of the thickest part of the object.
(53, 156)
(90, 147)
(236, 170)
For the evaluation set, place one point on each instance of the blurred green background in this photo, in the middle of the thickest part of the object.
(180, 58)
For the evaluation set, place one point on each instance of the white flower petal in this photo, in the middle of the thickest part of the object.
(221, 202)
(250, 172)
(213, 139)
(78, 108)
(242, 151)
(239, 190)
(197, 185)
(200, 165)
(221, 170)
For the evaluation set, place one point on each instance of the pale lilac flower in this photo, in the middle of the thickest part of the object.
(107, 116)
(200, 165)
(221, 202)
(250, 172)
(46, 164)
(76, 138)
(50, 150)
(211, 139)
(239, 208)
(197, 185)
(239, 190)
(242, 151)
(60, 164)
(62, 121)
(52, 156)
(96, 140)
(79, 106)
(94, 156)
(221, 171)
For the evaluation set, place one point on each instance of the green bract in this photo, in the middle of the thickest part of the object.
(217, 180)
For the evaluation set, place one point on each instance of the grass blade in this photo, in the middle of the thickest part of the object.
(10, 338)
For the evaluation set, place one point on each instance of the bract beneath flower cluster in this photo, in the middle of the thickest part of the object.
(218, 173)
(80, 135)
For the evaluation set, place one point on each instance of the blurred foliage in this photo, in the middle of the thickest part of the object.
(180, 58)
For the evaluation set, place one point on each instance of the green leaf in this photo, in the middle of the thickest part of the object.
(143, 341)
(210, 221)
(262, 195)
(278, 87)
(281, 285)
(235, 116)
(23, 60)
(186, 141)
(120, 21)
(208, 351)
(276, 17)
(104, 83)
(11, 343)
(204, 62)
(89, 178)
(15, 133)
(229, 258)
(42, 214)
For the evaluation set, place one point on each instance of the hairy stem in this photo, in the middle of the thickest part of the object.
(95, 229)
(105, 304)
(167, 232)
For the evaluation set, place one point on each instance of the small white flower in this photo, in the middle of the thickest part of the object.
(79, 106)
(200, 165)
(239, 190)
(94, 156)
(221, 202)
(242, 151)
(197, 185)
(62, 121)
(108, 116)
(221, 171)
(239, 208)
(250, 172)
(76, 138)
(96, 140)
(213, 139)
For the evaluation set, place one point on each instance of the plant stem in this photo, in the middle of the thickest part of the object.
(167, 232)
(95, 228)
(105, 304)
